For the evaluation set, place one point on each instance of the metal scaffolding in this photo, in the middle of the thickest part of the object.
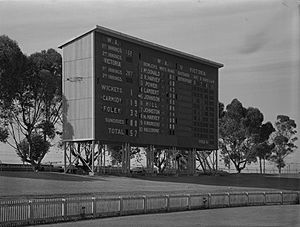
(93, 157)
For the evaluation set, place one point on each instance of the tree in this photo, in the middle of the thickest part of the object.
(47, 64)
(35, 151)
(263, 151)
(237, 129)
(284, 140)
(160, 159)
(263, 148)
(3, 135)
(12, 66)
(221, 110)
(207, 160)
(116, 152)
(33, 108)
(181, 157)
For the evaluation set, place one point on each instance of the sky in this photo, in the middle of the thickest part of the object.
(256, 40)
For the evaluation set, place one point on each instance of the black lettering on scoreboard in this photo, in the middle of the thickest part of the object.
(146, 94)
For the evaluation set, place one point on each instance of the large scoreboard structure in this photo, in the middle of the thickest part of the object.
(122, 89)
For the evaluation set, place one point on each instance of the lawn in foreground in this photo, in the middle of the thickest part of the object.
(287, 215)
(46, 183)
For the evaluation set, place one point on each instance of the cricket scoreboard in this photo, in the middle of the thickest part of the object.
(125, 89)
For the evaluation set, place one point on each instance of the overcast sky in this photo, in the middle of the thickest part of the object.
(257, 41)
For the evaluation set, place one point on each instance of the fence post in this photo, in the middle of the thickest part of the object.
(189, 201)
(94, 207)
(63, 208)
(281, 197)
(145, 204)
(167, 202)
(209, 200)
(121, 205)
(228, 199)
(30, 211)
(265, 199)
(247, 194)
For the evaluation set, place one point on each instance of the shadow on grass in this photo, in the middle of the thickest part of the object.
(234, 180)
(50, 176)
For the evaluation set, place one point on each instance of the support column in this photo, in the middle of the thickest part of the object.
(126, 158)
(174, 160)
(93, 158)
(217, 160)
(68, 146)
(104, 151)
(189, 164)
(167, 159)
(194, 160)
(150, 158)
(123, 158)
(71, 144)
(147, 156)
(99, 155)
(65, 157)
(191, 161)
(78, 152)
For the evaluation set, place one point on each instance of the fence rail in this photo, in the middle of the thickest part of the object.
(36, 210)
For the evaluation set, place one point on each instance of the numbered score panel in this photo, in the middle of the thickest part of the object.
(149, 96)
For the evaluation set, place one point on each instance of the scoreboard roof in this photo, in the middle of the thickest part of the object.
(145, 43)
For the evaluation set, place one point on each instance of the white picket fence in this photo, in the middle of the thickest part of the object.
(16, 211)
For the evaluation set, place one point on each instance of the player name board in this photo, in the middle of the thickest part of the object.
(147, 95)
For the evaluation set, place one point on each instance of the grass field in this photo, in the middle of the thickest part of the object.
(47, 183)
(287, 215)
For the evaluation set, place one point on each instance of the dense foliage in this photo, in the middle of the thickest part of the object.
(238, 129)
(30, 99)
(283, 139)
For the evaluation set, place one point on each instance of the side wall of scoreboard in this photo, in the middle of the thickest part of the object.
(78, 89)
